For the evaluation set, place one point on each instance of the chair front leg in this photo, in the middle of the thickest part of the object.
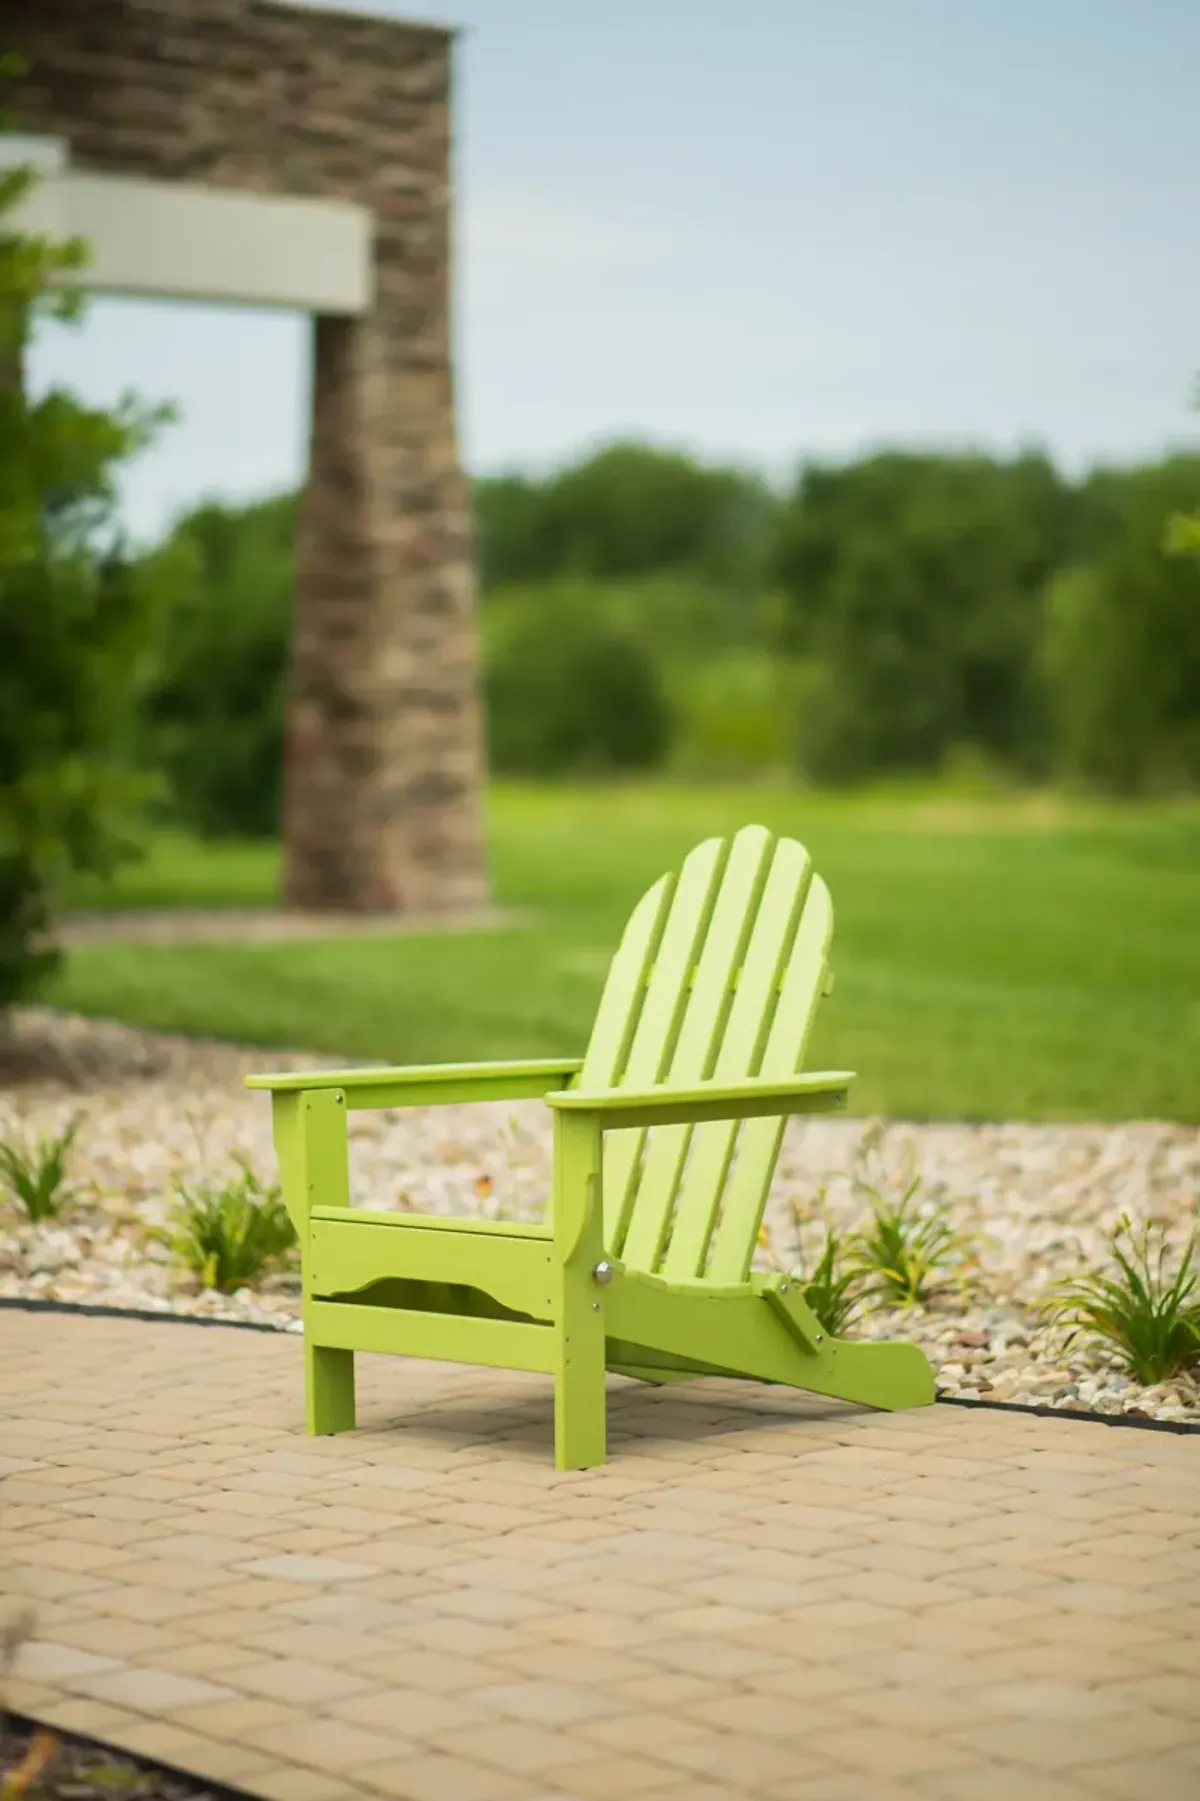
(579, 1375)
(312, 1144)
(328, 1389)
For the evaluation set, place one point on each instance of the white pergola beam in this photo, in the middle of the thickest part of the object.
(179, 240)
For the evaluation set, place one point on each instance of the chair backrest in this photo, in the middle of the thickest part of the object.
(718, 976)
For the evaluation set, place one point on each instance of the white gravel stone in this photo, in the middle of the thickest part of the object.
(1036, 1201)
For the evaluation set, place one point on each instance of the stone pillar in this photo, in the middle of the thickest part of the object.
(384, 752)
(383, 760)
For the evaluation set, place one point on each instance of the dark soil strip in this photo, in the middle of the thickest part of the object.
(87, 1769)
(1137, 1422)
(95, 1310)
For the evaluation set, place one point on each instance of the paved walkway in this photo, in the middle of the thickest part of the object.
(759, 1596)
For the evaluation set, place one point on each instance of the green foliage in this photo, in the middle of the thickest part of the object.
(75, 615)
(33, 1173)
(721, 705)
(927, 611)
(914, 586)
(512, 544)
(213, 716)
(736, 715)
(1121, 645)
(1075, 657)
(1151, 1318)
(230, 1234)
(833, 1287)
(908, 1252)
(571, 692)
(578, 675)
(628, 510)
(1183, 534)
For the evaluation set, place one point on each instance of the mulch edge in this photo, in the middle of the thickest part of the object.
(97, 1310)
(155, 927)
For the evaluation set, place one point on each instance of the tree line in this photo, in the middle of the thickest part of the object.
(643, 610)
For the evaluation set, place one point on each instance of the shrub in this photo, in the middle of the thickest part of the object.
(626, 510)
(1151, 1319)
(571, 693)
(908, 1252)
(834, 1287)
(1120, 647)
(214, 709)
(736, 715)
(831, 1286)
(229, 1235)
(34, 1173)
(75, 617)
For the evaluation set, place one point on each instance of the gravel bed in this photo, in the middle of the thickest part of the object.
(1036, 1201)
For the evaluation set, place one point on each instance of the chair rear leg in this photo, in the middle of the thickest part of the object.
(328, 1389)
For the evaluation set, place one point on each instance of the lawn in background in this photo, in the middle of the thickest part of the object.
(996, 957)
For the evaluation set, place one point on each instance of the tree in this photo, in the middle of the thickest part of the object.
(512, 541)
(628, 510)
(578, 695)
(1122, 644)
(215, 701)
(913, 587)
(74, 612)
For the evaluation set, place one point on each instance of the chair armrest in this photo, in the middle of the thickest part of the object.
(758, 1097)
(431, 1085)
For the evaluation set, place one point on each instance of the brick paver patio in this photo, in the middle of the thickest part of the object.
(759, 1596)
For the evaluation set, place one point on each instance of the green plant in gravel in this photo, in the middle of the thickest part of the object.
(1148, 1315)
(908, 1253)
(831, 1286)
(228, 1235)
(34, 1173)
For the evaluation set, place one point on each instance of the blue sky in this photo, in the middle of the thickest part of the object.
(763, 230)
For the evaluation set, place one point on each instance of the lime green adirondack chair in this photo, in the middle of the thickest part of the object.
(666, 1136)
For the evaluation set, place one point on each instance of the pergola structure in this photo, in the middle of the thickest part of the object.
(270, 154)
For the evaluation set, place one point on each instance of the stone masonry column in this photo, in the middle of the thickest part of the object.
(331, 752)
(384, 762)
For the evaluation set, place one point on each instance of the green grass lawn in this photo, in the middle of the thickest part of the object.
(996, 957)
